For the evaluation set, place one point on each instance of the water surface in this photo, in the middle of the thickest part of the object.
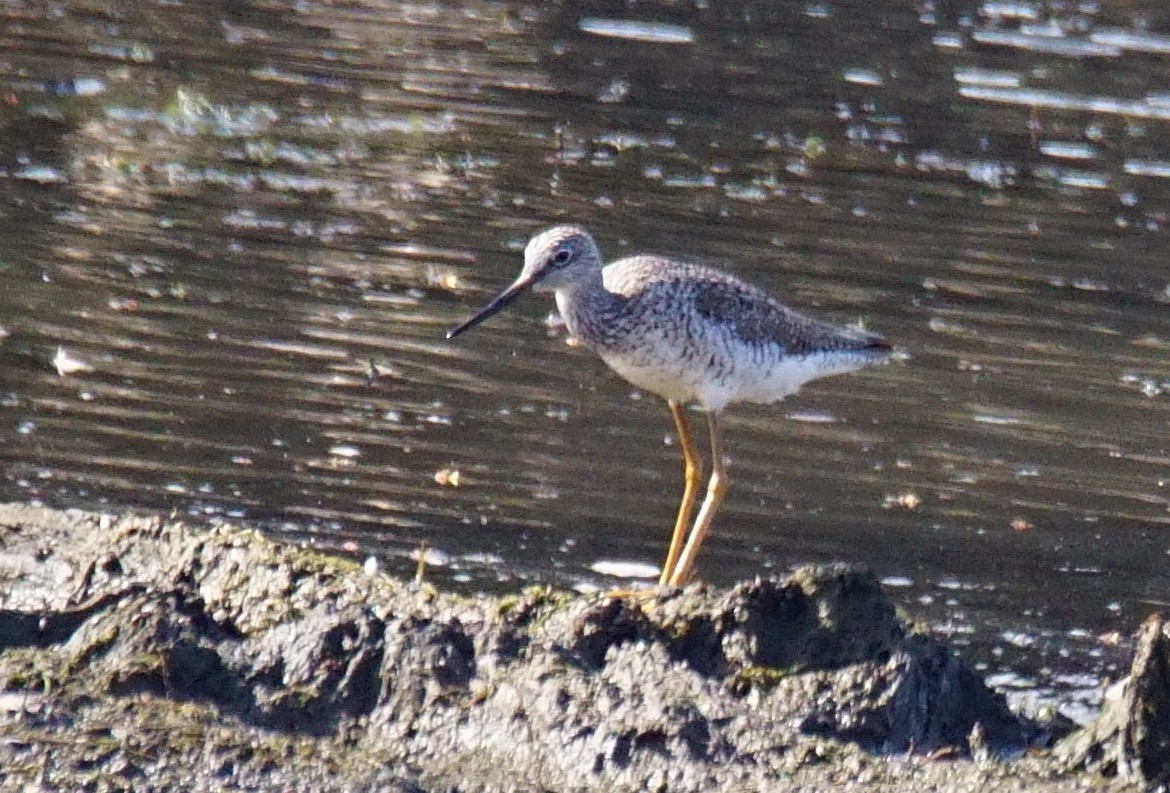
(233, 241)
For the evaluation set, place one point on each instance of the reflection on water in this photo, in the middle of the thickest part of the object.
(233, 243)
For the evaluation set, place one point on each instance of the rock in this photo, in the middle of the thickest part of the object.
(1131, 737)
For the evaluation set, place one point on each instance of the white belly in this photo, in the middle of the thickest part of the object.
(744, 381)
(669, 381)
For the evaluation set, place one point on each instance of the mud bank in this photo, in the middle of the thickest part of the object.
(139, 653)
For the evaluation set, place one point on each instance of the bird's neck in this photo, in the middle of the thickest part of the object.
(587, 307)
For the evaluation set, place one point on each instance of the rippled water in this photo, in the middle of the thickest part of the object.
(233, 242)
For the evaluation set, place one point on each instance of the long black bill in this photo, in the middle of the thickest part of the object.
(502, 301)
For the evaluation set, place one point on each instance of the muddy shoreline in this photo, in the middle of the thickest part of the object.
(141, 653)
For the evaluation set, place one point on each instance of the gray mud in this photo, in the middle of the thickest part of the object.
(139, 653)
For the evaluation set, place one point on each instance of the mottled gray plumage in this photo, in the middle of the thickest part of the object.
(687, 333)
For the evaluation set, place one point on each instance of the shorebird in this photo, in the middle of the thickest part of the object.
(688, 334)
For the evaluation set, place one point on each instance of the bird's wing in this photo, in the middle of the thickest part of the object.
(756, 319)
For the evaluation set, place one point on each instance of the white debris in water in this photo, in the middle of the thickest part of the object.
(862, 76)
(811, 417)
(622, 569)
(1068, 150)
(348, 452)
(66, 363)
(1000, 78)
(633, 30)
(41, 174)
(948, 41)
(986, 418)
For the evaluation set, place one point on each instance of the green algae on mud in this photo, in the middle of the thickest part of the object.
(142, 653)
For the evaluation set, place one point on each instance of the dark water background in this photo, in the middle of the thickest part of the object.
(234, 234)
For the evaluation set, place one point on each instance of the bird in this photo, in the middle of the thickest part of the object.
(689, 334)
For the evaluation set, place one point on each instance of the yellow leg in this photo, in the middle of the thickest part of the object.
(693, 467)
(716, 489)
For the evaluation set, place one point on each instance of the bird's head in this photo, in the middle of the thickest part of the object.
(553, 259)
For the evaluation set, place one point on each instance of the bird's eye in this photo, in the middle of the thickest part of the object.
(562, 256)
